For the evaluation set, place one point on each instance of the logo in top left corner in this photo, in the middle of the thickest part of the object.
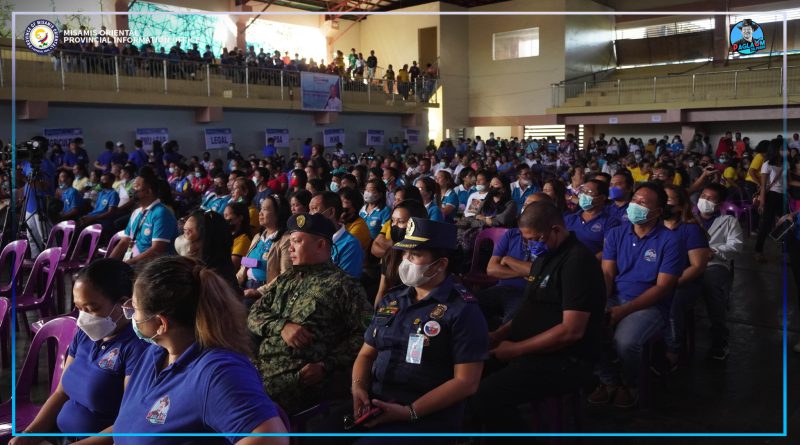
(41, 36)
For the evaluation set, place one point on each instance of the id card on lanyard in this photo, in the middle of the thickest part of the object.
(132, 249)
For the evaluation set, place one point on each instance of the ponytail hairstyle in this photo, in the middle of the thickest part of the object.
(194, 296)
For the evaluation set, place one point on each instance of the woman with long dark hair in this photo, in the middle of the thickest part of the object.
(499, 209)
(268, 255)
(206, 238)
(770, 202)
(237, 216)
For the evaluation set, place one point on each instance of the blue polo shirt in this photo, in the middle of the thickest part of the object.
(512, 244)
(347, 252)
(270, 151)
(259, 253)
(215, 202)
(451, 198)
(94, 382)
(463, 194)
(519, 196)
(79, 157)
(203, 391)
(693, 237)
(105, 158)
(375, 219)
(461, 337)
(591, 233)
(106, 199)
(119, 158)
(138, 157)
(434, 212)
(158, 224)
(619, 213)
(639, 261)
(71, 199)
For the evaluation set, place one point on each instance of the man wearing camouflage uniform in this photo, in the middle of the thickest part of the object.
(310, 321)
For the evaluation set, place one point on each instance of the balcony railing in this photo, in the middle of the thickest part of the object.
(116, 73)
(709, 86)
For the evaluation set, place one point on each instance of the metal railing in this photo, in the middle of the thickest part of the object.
(713, 85)
(69, 70)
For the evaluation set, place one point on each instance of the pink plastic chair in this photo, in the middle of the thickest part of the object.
(61, 330)
(477, 277)
(60, 236)
(37, 325)
(38, 291)
(4, 314)
(79, 259)
(112, 243)
(19, 250)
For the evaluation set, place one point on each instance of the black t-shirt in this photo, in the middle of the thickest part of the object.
(568, 278)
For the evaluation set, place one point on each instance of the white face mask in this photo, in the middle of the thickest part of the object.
(706, 207)
(413, 275)
(370, 197)
(95, 327)
(480, 188)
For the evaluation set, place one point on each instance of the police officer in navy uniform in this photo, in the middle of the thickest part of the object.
(423, 351)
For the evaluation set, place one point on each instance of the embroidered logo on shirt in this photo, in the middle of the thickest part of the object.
(158, 412)
(147, 232)
(597, 227)
(109, 360)
(650, 255)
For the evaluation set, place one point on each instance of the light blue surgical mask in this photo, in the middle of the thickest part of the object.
(334, 187)
(139, 333)
(585, 201)
(637, 214)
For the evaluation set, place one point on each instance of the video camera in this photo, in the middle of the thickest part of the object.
(33, 151)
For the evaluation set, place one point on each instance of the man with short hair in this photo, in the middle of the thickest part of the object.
(103, 162)
(106, 205)
(72, 199)
(76, 155)
(269, 150)
(550, 344)
(138, 156)
(642, 262)
(522, 187)
(152, 228)
(372, 64)
(347, 252)
(310, 321)
(726, 242)
(218, 199)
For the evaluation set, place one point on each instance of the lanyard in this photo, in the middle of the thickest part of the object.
(139, 225)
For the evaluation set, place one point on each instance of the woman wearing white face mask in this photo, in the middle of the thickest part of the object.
(425, 347)
(100, 359)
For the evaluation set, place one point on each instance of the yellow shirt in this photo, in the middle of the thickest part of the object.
(240, 245)
(254, 219)
(731, 175)
(758, 161)
(678, 180)
(386, 230)
(637, 175)
(359, 229)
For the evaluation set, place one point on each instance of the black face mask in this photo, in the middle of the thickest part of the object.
(670, 213)
(397, 233)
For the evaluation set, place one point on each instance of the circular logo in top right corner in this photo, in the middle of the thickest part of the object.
(41, 36)
(747, 37)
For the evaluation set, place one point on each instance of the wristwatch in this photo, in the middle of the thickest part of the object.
(412, 413)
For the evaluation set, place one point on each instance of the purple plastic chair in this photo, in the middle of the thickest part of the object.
(79, 259)
(477, 278)
(112, 243)
(19, 250)
(60, 236)
(38, 291)
(4, 314)
(738, 211)
(61, 330)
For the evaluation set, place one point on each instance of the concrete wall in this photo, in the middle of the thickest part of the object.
(100, 124)
(520, 86)
(756, 131)
(454, 69)
(394, 37)
(588, 39)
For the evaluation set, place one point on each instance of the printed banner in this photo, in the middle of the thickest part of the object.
(333, 136)
(281, 137)
(150, 135)
(412, 136)
(218, 138)
(62, 136)
(321, 92)
(374, 137)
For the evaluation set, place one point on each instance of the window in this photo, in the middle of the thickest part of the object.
(515, 44)
(665, 29)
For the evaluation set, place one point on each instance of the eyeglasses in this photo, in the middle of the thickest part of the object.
(128, 309)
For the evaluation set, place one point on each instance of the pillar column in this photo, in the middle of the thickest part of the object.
(721, 39)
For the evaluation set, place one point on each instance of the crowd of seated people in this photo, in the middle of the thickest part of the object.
(347, 279)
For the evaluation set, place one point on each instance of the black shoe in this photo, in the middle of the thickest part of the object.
(718, 352)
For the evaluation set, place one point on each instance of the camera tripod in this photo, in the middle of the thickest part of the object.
(35, 225)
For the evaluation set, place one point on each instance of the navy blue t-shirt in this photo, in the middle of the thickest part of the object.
(693, 236)
(94, 381)
(204, 391)
(591, 233)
